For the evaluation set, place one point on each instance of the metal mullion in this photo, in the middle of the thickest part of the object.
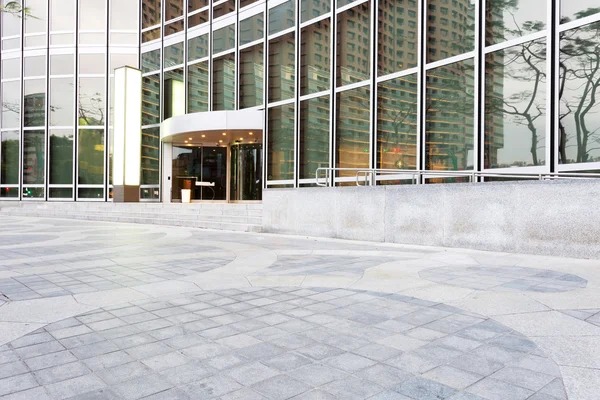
(332, 92)
(421, 86)
(316, 19)
(47, 109)
(210, 56)
(351, 86)
(396, 75)
(576, 23)
(552, 82)
(265, 132)
(251, 44)
(107, 102)
(373, 26)
(281, 103)
(280, 33)
(478, 88)
(21, 105)
(75, 172)
(450, 60)
(516, 41)
(349, 6)
(236, 63)
(314, 95)
(297, 93)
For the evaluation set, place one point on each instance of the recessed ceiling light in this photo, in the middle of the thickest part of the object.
(203, 135)
(189, 138)
(224, 133)
(220, 141)
(186, 141)
(251, 133)
(241, 138)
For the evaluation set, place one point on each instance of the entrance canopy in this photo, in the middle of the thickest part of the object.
(214, 128)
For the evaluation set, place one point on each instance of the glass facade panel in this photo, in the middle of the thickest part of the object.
(173, 93)
(310, 9)
(151, 100)
(34, 102)
(90, 193)
(124, 15)
(151, 61)
(223, 8)
(150, 156)
(579, 74)
(34, 66)
(62, 64)
(252, 29)
(314, 135)
(282, 61)
(244, 3)
(150, 35)
(173, 9)
(198, 47)
(11, 26)
(354, 45)
(150, 13)
(315, 60)
(39, 23)
(282, 17)
(62, 16)
(173, 55)
(60, 193)
(9, 158)
(353, 129)
(449, 117)
(458, 36)
(90, 148)
(224, 83)
(397, 123)
(197, 81)
(397, 33)
(92, 64)
(515, 106)
(92, 15)
(198, 19)
(61, 99)
(224, 39)
(61, 157)
(281, 142)
(11, 104)
(91, 107)
(251, 76)
(11, 68)
(34, 150)
(572, 10)
(194, 5)
(505, 20)
(174, 27)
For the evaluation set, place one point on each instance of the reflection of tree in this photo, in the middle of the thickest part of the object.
(91, 109)
(15, 8)
(579, 80)
(524, 64)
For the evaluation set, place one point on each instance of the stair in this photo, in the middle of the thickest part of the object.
(220, 216)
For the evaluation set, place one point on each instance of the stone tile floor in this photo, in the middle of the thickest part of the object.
(504, 278)
(92, 310)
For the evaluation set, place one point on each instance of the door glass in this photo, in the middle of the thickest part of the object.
(246, 172)
(214, 172)
(203, 170)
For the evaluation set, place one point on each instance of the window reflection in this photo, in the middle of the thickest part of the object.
(579, 117)
(90, 147)
(315, 57)
(9, 158)
(282, 67)
(224, 83)
(92, 15)
(34, 102)
(62, 101)
(224, 39)
(507, 20)
(173, 55)
(33, 157)
(62, 15)
(194, 5)
(314, 136)
(397, 123)
(150, 13)
(11, 104)
(198, 47)
(398, 27)
(91, 64)
(150, 156)
(450, 28)
(34, 66)
(173, 93)
(251, 76)
(223, 8)
(310, 9)
(151, 100)
(173, 9)
(197, 81)
(449, 114)
(251, 29)
(572, 10)
(174, 27)
(62, 64)
(11, 68)
(11, 26)
(61, 157)
(282, 17)
(515, 106)
(37, 24)
(198, 19)
(353, 129)
(353, 45)
(91, 109)
(281, 142)
(123, 15)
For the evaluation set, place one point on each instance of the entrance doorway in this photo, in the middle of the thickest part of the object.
(202, 170)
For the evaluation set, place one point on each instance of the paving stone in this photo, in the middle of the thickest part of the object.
(38, 393)
(124, 372)
(50, 360)
(211, 387)
(36, 350)
(493, 389)
(524, 378)
(319, 351)
(383, 375)
(12, 368)
(349, 362)
(75, 386)
(250, 374)
(17, 383)
(412, 363)
(317, 374)
(190, 372)
(452, 377)
(351, 388)
(424, 389)
(142, 386)
(287, 361)
(61, 372)
(238, 341)
(280, 387)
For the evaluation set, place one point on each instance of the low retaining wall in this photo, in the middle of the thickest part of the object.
(560, 218)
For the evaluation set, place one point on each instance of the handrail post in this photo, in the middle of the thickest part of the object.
(373, 178)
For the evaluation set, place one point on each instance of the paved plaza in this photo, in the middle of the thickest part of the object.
(98, 310)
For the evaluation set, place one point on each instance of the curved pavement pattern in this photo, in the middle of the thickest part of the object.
(93, 310)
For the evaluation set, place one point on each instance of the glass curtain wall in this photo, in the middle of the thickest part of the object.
(56, 89)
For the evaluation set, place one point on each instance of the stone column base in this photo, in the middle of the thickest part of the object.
(126, 194)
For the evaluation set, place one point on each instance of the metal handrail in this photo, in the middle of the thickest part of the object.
(370, 175)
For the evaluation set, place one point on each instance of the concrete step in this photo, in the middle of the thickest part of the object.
(234, 217)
